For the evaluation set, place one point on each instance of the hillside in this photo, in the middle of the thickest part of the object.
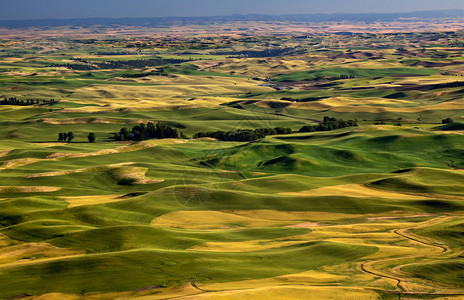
(231, 167)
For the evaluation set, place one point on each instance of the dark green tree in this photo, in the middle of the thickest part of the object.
(282, 130)
(70, 136)
(124, 134)
(91, 137)
(151, 129)
(137, 132)
(308, 128)
(447, 121)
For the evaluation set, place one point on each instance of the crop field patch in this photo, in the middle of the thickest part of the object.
(266, 161)
(354, 190)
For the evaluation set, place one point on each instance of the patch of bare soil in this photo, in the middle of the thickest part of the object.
(304, 225)
(398, 217)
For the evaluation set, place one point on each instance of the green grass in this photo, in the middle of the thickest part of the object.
(66, 83)
(451, 232)
(130, 270)
(126, 244)
(188, 121)
(451, 127)
(343, 152)
(440, 271)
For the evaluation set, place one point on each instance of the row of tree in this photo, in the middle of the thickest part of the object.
(162, 130)
(77, 67)
(243, 135)
(148, 131)
(26, 102)
(69, 136)
(246, 135)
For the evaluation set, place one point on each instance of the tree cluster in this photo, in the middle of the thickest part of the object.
(65, 137)
(138, 63)
(147, 131)
(289, 99)
(243, 135)
(447, 121)
(346, 76)
(77, 67)
(27, 102)
(69, 136)
(329, 124)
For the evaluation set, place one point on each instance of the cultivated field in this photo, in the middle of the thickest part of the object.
(372, 209)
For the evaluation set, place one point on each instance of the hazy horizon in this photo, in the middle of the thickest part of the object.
(66, 9)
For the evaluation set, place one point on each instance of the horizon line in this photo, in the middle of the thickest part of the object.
(250, 14)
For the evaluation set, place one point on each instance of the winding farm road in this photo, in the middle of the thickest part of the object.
(405, 233)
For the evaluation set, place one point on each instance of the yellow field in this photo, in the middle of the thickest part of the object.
(353, 190)
(233, 219)
(28, 189)
(91, 200)
(33, 251)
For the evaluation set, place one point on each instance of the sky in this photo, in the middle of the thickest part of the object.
(65, 9)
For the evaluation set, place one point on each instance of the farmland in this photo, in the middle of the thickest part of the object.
(368, 211)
